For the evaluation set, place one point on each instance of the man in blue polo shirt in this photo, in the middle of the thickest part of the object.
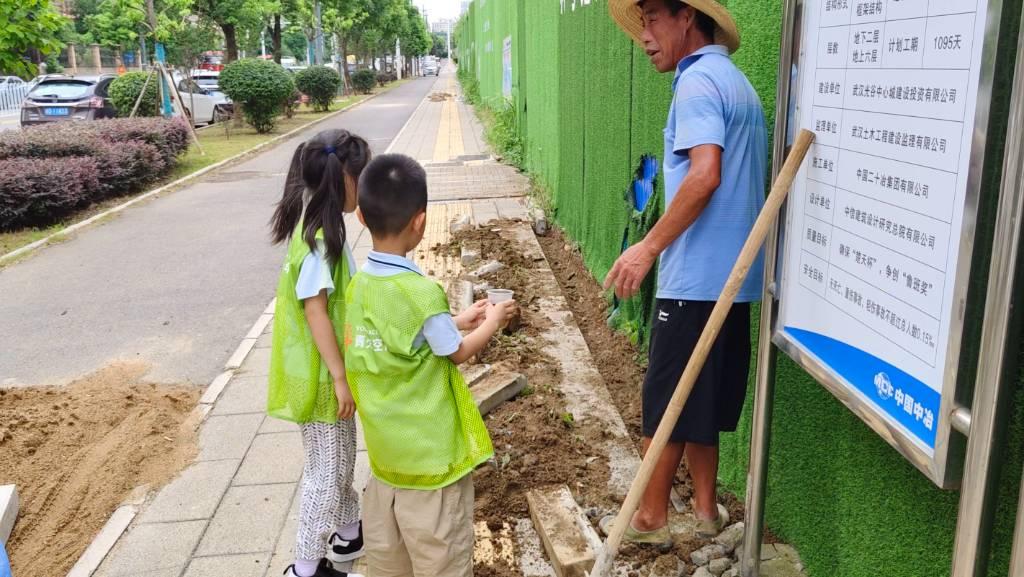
(716, 151)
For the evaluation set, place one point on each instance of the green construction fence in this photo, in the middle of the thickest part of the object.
(588, 106)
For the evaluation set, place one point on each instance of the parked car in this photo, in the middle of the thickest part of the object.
(59, 98)
(201, 92)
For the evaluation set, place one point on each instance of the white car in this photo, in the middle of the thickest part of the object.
(201, 92)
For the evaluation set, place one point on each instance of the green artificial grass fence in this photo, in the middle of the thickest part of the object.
(589, 105)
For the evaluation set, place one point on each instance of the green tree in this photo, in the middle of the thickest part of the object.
(294, 43)
(260, 87)
(116, 22)
(233, 16)
(440, 47)
(29, 25)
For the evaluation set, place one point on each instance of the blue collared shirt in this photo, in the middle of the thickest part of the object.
(714, 103)
(439, 331)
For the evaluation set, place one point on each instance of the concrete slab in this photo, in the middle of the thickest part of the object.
(265, 340)
(252, 565)
(8, 510)
(256, 512)
(362, 473)
(284, 549)
(531, 551)
(153, 549)
(227, 437)
(568, 537)
(272, 458)
(493, 390)
(244, 394)
(257, 364)
(192, 495)
(104, 541)
(272, 425)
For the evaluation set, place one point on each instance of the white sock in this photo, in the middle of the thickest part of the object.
(305, 568)
(349, 532)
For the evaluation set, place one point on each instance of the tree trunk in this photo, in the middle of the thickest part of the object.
(343, 44)
(230, 42)
(276, 38)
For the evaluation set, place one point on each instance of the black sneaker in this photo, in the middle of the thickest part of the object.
(325, 569)
(341, 551)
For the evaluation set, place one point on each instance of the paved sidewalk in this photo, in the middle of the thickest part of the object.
(234, 511)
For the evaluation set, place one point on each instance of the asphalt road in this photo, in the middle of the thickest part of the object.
(176, 282)
(10, 121)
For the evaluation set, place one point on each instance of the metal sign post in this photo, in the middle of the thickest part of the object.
(869, 268)
(993, 390)
(764, 391)
(1017, 559)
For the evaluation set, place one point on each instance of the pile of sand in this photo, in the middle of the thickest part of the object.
(76, 452)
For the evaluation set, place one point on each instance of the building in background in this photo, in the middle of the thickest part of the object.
(442, 26)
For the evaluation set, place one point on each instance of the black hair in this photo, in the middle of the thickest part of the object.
(392, 190)
(705, 24)
(323, 160)
(289, 208)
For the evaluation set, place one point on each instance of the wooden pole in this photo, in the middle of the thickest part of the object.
(138, 100)
(748, 254)
(180, 107)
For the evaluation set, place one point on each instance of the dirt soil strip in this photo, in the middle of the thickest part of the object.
(565, 428)
(76, 452)
(621, 363)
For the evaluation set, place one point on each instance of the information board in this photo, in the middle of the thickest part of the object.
(879, 227)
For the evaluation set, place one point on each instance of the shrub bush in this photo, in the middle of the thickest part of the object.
(363, 80)
(260, 86)
(125, 90)
(320, 84)
(169, 136)
(39, 192)
(385, 77)
(97, 160)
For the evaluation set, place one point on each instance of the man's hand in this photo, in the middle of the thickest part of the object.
(631, 269)
(346, 404)
(472, 317)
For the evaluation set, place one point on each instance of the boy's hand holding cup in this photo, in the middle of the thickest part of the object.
(502, 308)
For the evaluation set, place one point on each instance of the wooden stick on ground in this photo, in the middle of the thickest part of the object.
(606, 557)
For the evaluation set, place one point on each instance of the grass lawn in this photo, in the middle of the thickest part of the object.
(218, 144)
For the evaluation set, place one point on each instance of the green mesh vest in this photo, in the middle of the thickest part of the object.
(301, 388)
(422, 428)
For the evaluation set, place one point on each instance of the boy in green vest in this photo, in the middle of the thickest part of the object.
(424, 434)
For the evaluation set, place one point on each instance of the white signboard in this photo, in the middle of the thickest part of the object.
(872, 248)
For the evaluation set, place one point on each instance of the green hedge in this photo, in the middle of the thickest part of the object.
(590, 107)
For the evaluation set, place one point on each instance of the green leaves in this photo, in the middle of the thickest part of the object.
(260, 86)
(320, 84)
(124, 92)
(28, 24)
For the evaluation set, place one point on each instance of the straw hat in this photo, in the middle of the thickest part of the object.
(628, 15)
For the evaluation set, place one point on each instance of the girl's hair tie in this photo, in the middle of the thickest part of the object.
(329, 150)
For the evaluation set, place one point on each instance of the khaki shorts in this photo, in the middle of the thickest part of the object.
(419, 533)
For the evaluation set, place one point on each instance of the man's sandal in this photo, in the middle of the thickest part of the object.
(659, 538)
(709, 528)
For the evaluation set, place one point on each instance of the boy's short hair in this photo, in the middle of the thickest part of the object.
(392, 190)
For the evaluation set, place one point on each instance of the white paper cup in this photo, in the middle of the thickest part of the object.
(495, 296)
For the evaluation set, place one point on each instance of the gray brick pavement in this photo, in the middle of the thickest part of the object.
(234, 511)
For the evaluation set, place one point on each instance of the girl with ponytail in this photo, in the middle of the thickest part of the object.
(307, 382)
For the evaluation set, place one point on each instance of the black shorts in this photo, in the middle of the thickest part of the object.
(718, 395)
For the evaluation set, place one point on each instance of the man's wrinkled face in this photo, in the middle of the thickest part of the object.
(664, 34)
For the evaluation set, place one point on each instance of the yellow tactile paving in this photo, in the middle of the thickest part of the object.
(449, 144)
(444, 269)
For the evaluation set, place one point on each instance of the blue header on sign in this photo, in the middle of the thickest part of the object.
(905, 399)
(5, 566)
